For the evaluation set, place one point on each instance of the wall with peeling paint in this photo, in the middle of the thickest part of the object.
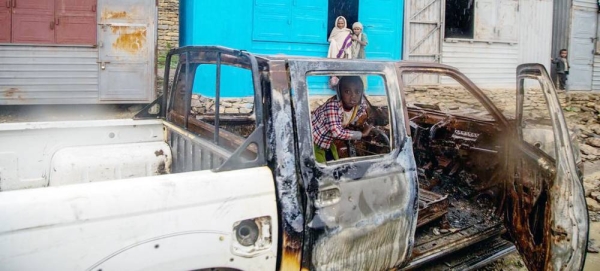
(119, 68)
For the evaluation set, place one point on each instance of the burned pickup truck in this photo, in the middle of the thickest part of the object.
(445, 180)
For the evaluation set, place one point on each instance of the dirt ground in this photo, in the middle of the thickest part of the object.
(26, 113)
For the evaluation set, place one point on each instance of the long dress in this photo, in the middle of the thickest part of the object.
(340, 41)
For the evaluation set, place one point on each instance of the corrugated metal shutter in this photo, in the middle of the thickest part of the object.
(48, 75)
(5, 20)
(488, 65)
(33, 21)
(535, 35)
(596, 74)
(76, 22)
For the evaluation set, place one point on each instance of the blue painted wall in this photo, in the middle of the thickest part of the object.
(292, 27)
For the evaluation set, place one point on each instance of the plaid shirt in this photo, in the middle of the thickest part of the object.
(327, 122)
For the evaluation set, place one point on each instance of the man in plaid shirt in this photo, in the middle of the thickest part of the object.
(329, 121)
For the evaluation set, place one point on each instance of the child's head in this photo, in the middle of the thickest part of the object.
(351, 90)
(357, 28)
(563, 53)
(340, 22)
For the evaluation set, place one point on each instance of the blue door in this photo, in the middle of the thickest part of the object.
(382, 21)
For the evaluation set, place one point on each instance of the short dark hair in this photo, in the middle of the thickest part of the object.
(351, 79)
(562, 50)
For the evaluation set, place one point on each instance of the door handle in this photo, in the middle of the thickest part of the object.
(94, 8)
(14, 3)
(51, 25)
(8, 3)
(103, 64)
(57, 21)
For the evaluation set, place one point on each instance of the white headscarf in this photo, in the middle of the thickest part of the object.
(355, 44)
(337, 38)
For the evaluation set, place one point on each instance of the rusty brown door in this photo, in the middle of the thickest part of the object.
(76, 22)
(33, 21)
(546, 209)
(127, 33)
(5, 20)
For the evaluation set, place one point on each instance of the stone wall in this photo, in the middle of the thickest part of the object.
(168, 25)
(581, 109)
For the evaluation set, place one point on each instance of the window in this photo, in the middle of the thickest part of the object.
(459, 19)
(536, 124)
(289, 21)
(485, 20)
(226, 131)
(349, 139)
(48, 22)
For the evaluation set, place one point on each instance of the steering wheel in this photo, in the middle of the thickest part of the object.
(382, 134)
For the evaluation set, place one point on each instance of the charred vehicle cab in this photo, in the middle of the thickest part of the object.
(446, 180)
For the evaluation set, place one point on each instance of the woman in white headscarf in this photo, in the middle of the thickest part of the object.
(340, 40)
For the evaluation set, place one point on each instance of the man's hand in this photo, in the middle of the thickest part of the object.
(354, 37)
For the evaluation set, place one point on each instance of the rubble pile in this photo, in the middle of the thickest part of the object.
(204, 105)
(582, 111)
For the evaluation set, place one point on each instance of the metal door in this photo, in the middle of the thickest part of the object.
(382, 22)
(76, 22)
(362, 206)
(33, 21)
(5, 20)
(546, 212)
(424, 35)
(127, 35)
(581, 58)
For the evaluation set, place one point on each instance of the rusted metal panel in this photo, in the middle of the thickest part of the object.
(5, 20)
(33, 21)
(535, 31)
(489, 65)
(127, 36)
(48, 75)
(76, 22)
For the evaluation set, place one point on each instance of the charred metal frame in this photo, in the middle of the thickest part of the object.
(351, 173)
(565, 224)
(219, 55)
(297, 175)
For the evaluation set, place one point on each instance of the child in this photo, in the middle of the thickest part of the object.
(359, 41)
(562, 68)
(329, 121)
(340, 40)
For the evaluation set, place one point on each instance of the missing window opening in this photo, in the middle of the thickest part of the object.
(459, 19)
